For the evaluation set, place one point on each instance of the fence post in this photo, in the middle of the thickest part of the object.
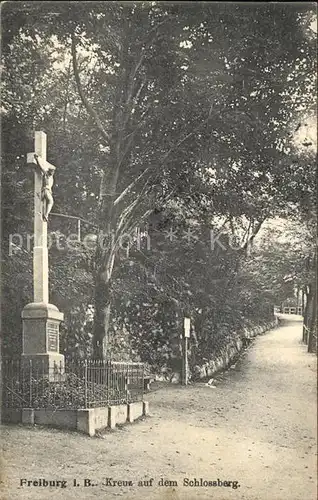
(85, 383)
(127, 382)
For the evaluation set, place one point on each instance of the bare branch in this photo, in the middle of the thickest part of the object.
(131, 185)
(136, 96)
(128, 210)
(254, 234)
(84, 100)
(129, 225)
(139, 62)
(247, 232)
(133, 76)
(140, 123)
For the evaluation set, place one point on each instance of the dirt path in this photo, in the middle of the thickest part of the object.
(257, 427)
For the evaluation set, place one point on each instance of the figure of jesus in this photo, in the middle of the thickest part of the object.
(46, 194)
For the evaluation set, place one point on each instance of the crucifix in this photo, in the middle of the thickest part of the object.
(41, 319)
(43, 202)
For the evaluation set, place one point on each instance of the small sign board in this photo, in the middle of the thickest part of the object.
(186, 327)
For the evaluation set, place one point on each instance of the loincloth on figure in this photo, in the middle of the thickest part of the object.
(46, 191)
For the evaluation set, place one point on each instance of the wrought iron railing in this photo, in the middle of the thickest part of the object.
(80, 384)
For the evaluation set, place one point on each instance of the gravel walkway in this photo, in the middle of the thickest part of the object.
(253, 437)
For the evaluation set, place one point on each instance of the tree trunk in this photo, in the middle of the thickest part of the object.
(312, 324)
(102, 317)
(306, 314)
(302, 301)
(297, 298)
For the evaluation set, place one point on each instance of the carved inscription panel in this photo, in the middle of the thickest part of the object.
(52, 336)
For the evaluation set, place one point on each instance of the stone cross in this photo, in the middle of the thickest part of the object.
(40, 250)
(40, 319)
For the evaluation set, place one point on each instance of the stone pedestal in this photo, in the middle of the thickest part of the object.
(40, 338)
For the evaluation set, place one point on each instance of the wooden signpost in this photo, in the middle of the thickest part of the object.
(185, 337)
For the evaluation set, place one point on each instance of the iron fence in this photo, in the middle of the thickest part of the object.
(78, 384)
